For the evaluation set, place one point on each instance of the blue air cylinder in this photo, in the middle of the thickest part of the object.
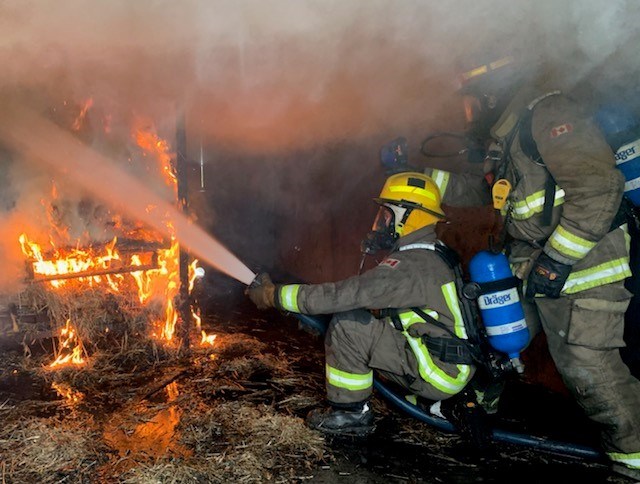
(621, 129)
(500, 306)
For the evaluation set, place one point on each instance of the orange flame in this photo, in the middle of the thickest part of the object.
(105, 267)
(68, 393)
(77, 124)
(75, 261)
(151, 143)
(70, 350)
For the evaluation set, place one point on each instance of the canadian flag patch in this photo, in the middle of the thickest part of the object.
(560, 130)
(390, 262)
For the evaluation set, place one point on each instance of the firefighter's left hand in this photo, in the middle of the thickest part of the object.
(547, 277)
(262, 291)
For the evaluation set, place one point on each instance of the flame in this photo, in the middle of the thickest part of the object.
(77, 124)
(104, 266)
(151, 143)
(208, 339)
(70, 350)
(75, 261)
(68, 393)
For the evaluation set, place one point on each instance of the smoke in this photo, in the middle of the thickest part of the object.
(289, 76)
(272, 75)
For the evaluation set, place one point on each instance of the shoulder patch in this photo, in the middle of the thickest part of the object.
(393, 263)
(560, 130)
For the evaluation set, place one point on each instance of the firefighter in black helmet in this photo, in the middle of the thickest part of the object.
(553, 178)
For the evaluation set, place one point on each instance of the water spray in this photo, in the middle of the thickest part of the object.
(38, 139)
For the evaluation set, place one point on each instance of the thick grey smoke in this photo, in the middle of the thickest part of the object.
(270, 75)
(285, 75)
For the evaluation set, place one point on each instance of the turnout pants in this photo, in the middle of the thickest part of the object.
(356, 344)
(585, 334)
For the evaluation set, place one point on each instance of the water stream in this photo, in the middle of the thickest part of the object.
(34, 137)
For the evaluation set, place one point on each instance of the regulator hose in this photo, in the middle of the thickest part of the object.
(319, 325)
(461, 137)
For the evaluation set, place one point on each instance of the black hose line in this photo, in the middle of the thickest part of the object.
(319, 325)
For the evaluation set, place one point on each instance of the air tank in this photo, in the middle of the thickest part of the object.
(621, 129)
(500, 306)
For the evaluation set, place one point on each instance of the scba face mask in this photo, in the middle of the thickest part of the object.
(385, 230)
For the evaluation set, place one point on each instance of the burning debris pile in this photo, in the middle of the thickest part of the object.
(104, 283)
(104, 389)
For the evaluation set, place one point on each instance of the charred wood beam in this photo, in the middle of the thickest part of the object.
(93, 273)
(184, 302)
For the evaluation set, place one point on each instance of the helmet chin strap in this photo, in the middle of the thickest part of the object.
(403, 220)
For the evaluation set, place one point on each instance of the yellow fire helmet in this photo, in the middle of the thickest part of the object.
(418, 194)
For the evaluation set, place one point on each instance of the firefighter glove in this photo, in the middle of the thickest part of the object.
(262, 291)
(394, 157)
(547, 277)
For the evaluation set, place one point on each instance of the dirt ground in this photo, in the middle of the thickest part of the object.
(235, 413)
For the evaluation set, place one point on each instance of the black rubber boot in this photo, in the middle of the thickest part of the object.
(463, 411)
(355, 421)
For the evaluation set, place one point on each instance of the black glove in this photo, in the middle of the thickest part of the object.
(394, 156)
(547, 277)
(262, 291)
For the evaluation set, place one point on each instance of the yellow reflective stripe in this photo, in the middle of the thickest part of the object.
(412, 190)
(441, 179)
(431, 373)
(569, 244)
(412, 399)
(606, 273)
(478, 71)
(631, 460)
(409, 317)
(428, 369)
(451, 297)
(501, 62)
(348, 381)
(289, 297)
(534, 203)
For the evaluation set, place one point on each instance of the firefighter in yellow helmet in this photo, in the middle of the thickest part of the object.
(398, 342)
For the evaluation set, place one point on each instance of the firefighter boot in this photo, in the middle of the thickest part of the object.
(351, 420)
(463, 411)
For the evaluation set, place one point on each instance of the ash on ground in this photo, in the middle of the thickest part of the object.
(235, 412)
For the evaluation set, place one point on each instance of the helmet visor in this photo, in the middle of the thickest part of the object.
(385, 220)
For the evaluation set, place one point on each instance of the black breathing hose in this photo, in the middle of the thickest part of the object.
(461, 137)
(319, 325)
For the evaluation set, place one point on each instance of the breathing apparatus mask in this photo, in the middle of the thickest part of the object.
(384, 233)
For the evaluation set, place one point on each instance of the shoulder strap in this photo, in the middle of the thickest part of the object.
(448, 255)
(529, 147)
(525, 135)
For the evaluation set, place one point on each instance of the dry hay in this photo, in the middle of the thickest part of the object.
(49, 450)
(99, 316)
(238, 442)
(232, 345)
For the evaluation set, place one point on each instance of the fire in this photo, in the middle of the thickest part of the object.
(147, 277)
(77, 124)
(70, 350)
(152, 144)
(75, 263)
(208, 339)
(68, 393)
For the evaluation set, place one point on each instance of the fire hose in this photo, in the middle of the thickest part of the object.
(319, 326)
